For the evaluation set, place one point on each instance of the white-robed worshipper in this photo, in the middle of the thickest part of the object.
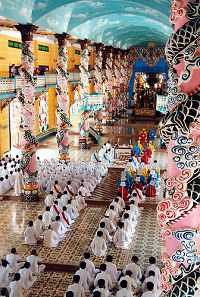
(111, 269)
(101, 289)
(138, 193)
(134, 209)
(49, 200)
(4, 273)
(149, 292)
(34, 260)
(58, 227)
(27, 276)
(69, 189)
(98, 245)
(80, 201)
(108, 224)
(64, 198)
(90, 265)
(49, 184)
(124, 291)
(135, 269)
(2, 186)
(112, 214)
(85, 280)
(106, 234)
(129, 226)
(65, 218)
(84, 190)
(11, 179)
(14, 260)
(95, 157)
(131, 214)
(151, 278)
(131, 283)
(30, 234)
(73, 213)
(4, 292)
(56, 189)
(101, 153)
(51, 239)
(152, 267)
(76, 288)
(117, 206)
(4, 172)
(18, 183)
(55, 210)
(108, 145)
(39, 227)
(121, 200)
(46, 217)
(104, 275)
(88, 186)
(106, 158)
(121, 239)
(17, 287)
(7, 184)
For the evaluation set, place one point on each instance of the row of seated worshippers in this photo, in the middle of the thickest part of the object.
(120, 220)
(18, 276)
(52, 225)
(10, 175)
(105, 155)
(110, 281)
(84, 176)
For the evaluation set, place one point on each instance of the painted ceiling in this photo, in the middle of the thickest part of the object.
(113, 22)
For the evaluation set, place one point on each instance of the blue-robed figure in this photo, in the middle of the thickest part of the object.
(152, 135)
(136, 150)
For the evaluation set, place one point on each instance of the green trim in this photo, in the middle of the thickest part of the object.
(43, 48)
(14, 44)
(77, 52)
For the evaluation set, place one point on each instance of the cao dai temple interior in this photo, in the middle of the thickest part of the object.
(99, 148)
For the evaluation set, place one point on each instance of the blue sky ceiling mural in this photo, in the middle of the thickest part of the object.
(113, 22)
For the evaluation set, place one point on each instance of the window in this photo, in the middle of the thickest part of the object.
(14, 44)
(76, 66)
(43, 48)
(77, 52)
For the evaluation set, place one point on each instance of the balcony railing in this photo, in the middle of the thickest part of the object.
(12, 85)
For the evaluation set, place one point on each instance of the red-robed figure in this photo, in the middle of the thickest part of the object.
(143, 136)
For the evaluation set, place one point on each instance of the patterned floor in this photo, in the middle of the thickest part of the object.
(15, 215)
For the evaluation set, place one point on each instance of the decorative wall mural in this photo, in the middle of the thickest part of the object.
(179, 213)
(43, 112)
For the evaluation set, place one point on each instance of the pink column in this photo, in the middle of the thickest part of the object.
(62, 113)
(179, 213)
(28, 141)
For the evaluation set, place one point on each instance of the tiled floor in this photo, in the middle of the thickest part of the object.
(15, 214)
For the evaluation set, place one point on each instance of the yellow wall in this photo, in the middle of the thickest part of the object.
(4, 131)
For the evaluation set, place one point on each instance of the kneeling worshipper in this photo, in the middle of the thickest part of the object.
(152, 278)
(105, 276)
(80, 201)
(27, 277)
(90, 265)
(17, 287)
(98, 245)
(4, 273)
(84, 190)
(100, 289)
(124, 291)
(135, 269)
(49, 200)
(69, 189)
(131, 283)
(30, 234)
(111, 269)
(51, 239)
(149, 292)
(58, 227)
(95, 157)
(76, 288)
(2, 186)
(56, 189)
(112, 214)
(71, 210)
(85, 280)
(46, 217)
(55, 210)
(14, 261)
(106, 234)
(121, 239)
(65, 218)
(39, 227)
(109, 226)
(33, 259)
(129, 226)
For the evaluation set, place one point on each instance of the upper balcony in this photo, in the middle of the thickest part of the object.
(9, 86)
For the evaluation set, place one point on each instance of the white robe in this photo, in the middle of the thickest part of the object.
(30, 236)
(129, 227)
(108, 225)
(99, 246)
(64, 198)
(91, 268)
(104, 292)
(2, 188)
(85, 279)
(121, 239)
(131, 283)
(13, 260)
(18, 184)
(111, 269)
(156, 290)
(136, 272)
(39, 228)
(50, 238)
(27, 277)
(18, 289)
(4, 273)
(113, 216)
(59, 228)
(35, 268)
(46, 218)
(108, 281)
(49, 200)
(106, 234)
(124, 293)
(77, 289)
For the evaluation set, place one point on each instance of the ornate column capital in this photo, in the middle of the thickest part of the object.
(84, 43)
(99, 47)
(27, 31)
(62, 38)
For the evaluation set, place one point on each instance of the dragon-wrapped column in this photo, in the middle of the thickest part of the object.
(62, 112)
(28, 140)
(179, 213)
(108, 84)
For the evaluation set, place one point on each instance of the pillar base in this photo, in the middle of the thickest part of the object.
(30, 193)
(65, 158)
